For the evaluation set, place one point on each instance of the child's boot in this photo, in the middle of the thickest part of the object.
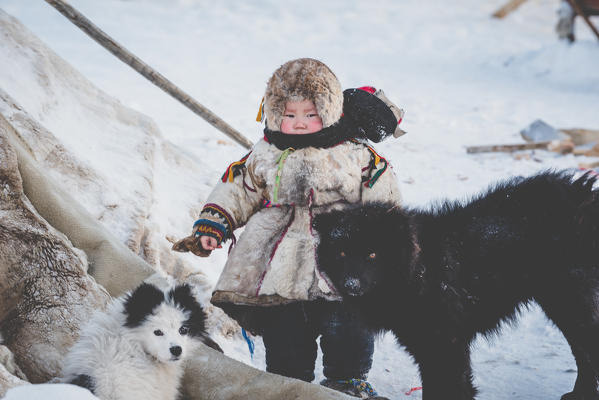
(354, 387)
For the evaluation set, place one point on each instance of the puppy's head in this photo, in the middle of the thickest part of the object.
(359, 248)
(165, 324)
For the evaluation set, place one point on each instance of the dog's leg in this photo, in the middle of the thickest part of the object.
(445, 371)
(585, 387)
(578, 322)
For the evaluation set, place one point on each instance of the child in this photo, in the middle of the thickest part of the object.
(313, 158)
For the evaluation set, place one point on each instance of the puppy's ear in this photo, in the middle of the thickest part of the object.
(183, 298)
(140, 303)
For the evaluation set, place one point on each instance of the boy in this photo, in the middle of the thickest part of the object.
(313, 159)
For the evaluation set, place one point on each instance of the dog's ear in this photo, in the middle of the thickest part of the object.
(183, 298)
(324, 223)
(140, 303)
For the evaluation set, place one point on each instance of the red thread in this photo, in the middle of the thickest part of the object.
(275, 249)
(248, 187)
(260, 282)
(282, 236)
(409, 392)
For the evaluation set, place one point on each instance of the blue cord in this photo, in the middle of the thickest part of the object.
(249, 341)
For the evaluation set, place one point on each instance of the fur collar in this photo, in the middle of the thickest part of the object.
(324, 138)
(365, 117)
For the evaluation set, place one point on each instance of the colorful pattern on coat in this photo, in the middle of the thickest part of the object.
(234, 169)
(206, 227)
(375, 160)
(220, 213)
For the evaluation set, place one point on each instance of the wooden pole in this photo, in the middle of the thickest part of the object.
(148, 72)
(508, 8)
(576, 5)
(508, 148)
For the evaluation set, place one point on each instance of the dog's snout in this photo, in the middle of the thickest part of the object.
(176, 350)
(352, 285)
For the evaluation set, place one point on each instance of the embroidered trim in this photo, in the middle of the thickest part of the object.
(280, 161)
(206, 227)
(375, 160)
(245, 185)
(269, 204)
(234, 169)
(220, 212)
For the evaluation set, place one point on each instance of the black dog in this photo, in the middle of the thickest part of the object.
(438, 278)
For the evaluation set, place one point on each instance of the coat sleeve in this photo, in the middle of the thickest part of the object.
(379, 182)
(231, 203)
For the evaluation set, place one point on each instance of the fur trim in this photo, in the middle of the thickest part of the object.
(303, 79)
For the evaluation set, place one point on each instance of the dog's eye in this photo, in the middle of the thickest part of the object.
(342, 254)
(184, 330)
(158, 332)
(372, 256)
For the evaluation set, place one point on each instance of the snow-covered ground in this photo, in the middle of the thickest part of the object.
(463, 78)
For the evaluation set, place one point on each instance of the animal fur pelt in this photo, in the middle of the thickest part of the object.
(438, 278)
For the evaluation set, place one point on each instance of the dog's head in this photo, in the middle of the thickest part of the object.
(360, 248)
(165, 323)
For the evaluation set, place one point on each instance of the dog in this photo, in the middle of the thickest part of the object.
(135, 349)
(436, 278)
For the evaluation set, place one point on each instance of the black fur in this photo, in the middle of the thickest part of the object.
(183, 297)
(140, 303)
(438, 278)
(85, 381)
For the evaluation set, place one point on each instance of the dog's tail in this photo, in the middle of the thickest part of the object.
(587, 215)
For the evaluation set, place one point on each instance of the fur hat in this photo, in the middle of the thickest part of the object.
(303, 79)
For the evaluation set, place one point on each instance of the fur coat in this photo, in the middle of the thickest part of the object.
(276, 195)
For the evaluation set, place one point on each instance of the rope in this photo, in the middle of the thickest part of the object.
(249, 341)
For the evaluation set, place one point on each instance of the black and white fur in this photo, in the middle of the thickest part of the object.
(439, 278)
(135, 349)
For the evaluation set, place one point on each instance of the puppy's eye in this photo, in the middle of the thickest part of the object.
(372, 256)
(342, 254)
(158, 332)
(184, 330)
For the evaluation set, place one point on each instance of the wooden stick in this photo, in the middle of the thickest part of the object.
(148, 72)
(576, 5)
(507, 148)
(508, 8)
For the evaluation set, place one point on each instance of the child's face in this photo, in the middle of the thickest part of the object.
(300, 118)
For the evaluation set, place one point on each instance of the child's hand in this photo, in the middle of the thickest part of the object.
(193, 244)
(208, 243)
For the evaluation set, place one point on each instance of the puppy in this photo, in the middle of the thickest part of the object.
(135, 349)
(438, 278)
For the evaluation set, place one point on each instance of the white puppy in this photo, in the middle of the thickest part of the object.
(134, 350)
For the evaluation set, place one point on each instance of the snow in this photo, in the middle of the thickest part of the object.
(462, 77)
(47, 391)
